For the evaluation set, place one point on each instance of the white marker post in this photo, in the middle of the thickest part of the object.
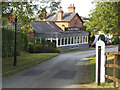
(100, 62)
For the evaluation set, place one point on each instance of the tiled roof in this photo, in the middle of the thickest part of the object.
(67, 17)
(45, 27)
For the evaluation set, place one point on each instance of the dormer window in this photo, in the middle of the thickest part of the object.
(75, 24)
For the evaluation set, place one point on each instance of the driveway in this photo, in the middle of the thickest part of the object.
(62, 71)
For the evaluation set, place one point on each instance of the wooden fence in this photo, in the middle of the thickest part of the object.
(114, 66)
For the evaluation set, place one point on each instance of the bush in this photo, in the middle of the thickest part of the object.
(8, 42)
(30, 47)
(115, 40)
(102, 37)
(57, 50)
(38, 48)
(46, 48)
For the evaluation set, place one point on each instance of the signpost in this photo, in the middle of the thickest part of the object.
(100, 62)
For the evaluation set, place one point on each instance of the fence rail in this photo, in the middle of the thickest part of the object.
(114, 66)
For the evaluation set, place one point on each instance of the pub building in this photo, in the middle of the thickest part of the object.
(65, 29)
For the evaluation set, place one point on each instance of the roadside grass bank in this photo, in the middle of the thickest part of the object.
(92, 68)
(77, 50)
(25, 60)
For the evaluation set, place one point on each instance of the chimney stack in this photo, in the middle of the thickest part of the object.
(60, 14)
(71, 8)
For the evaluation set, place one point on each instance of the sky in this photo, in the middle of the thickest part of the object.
(83, 7)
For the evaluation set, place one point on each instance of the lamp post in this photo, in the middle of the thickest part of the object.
(15, 50)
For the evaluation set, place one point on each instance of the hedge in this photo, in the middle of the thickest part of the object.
(8, 42)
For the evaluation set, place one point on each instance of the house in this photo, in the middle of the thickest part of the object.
(65, 29)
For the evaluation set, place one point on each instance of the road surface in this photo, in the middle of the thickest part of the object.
(62, 71)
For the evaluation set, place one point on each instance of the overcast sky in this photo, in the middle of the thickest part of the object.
(83, 7)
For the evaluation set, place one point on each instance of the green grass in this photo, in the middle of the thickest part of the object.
(77, 50)
(24, 61)
(92, 69)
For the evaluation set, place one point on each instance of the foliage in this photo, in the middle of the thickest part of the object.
(38, 48)
(5, 21)
(31, 39)
(102, 37)
(27, 28)
(54, 6)
(25, 11)
(8, 42)
(104, 18)
(115, 40)
(30, 47)
(92, 38)
(47, 47)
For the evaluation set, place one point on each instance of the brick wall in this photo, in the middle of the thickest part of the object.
(76, 19)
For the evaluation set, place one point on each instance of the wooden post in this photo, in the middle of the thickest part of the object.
(105, 66)
(114, 70)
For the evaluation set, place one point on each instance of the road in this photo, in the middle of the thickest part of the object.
(62, 71)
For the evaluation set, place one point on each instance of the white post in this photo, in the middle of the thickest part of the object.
(60, 41)
(67, 40)
(102, 66)
(64, 40)
(51, 39)
(70, 39)
(56, 42)
(76, 39)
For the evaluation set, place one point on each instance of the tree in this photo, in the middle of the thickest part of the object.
(104, 18)
(25, 11)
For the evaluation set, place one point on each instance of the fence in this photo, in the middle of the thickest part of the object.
(114, 66)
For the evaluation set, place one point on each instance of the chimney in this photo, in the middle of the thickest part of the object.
(71, 8)
(60, 14)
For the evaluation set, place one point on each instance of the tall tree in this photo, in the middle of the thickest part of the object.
(104, 18)
(25, 11)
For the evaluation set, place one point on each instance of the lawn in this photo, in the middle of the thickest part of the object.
(25, 60)
(92, 69)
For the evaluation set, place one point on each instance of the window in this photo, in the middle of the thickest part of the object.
(75, 24)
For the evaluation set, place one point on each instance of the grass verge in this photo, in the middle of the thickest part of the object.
(77, 50)
(24, 61)
(92, 68)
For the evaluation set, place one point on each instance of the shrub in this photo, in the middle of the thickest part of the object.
(115, 40)
(102, 37)
(38, 48)
(30, 47)
(52, 44)
(8, 42)
(57, 50)
(46, 48)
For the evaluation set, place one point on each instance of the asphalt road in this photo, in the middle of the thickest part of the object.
(62, 71)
